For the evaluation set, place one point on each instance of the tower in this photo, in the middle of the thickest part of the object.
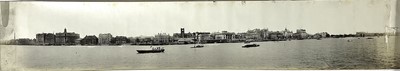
(183, 32)
(65, 35)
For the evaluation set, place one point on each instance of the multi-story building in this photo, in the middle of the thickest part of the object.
(223, 36)
(240, 36)
(182, 34)
(301, 31)
(45, 39)
(276, 36)
(66, 38)
(220, 37)
(301, 34)
(162, 38)
(257, 34)
(287, 34)
(133, 40)
(202, 36)
(119, 40)
(104, 39)
(89, 40)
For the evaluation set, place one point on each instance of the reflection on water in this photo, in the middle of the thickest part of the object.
(343, 53)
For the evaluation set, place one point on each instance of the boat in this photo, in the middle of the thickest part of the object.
(250, 45)
(197, 45)
(370, 38)
(153, 50)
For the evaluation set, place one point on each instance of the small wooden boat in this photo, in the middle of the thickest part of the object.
(153, 50)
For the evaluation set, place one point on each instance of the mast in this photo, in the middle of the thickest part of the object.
(14, 40)
(14, 35)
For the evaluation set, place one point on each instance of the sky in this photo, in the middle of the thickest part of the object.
(149, 18)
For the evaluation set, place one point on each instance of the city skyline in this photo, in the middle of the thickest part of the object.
(150, 18)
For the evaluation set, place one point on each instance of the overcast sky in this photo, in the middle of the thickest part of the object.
(149, 18)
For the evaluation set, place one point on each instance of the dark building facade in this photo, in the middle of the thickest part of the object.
(89, 40)
(119, 40)
(104, 39)
(45, 39)
(24, 41)
(66, 38)
(182, 34)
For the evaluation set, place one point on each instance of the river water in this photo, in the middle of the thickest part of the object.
(330, 53)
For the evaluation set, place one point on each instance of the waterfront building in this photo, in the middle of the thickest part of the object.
(323, 34)
(141, 40)
(119, 40)
(78, 40)
(24, 41)
(89, 40)
(220, 37)
(264, 34)
(45, 39)
(240, 36)
(257, 34)
(287, 34)
(182, 34)
(202, 37)
(316, 36)
(148, 40)
(133, 40)
(66, 38)
(301, 34)
(228, 35)
(275, 36)
(185, 40)
(104, 39)
(162, 38)
(301, 31)
(304, 35)
(253, 36)
(224, 35)
(366, 34)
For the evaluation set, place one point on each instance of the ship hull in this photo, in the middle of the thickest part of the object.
(253, 45)
(150, 51)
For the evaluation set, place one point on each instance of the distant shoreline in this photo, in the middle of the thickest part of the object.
(194, 43)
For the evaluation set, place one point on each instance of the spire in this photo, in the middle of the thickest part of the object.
(65, 30)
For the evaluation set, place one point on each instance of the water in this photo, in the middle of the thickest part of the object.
(343, 53)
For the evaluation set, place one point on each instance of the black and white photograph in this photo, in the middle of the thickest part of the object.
(200, 35)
